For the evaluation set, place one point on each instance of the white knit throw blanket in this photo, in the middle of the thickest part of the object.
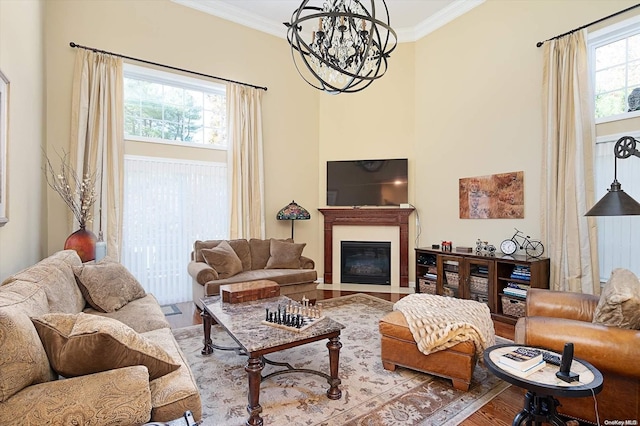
(439, 322)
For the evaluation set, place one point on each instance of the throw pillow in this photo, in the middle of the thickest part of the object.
(199, 245)
(107, 285)
(260, 252)
(284, 255)
(619, 304)
(80, 344)
(223, 259)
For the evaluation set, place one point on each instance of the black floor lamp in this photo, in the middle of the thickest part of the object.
(293, 212)
(616, 202)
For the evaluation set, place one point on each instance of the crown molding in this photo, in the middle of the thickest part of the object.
(444, 16)
(238, 15)
(243, 17)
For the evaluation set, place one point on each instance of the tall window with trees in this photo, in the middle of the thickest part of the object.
(175, 188)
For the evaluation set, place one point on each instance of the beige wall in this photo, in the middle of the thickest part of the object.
(463, 101)
(21, 239)
(165, 32)
(377, 123)
(478, 109)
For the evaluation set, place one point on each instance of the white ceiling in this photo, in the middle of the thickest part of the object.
(411, 19)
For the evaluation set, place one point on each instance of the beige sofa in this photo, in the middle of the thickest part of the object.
(270, 259)
(32, 393)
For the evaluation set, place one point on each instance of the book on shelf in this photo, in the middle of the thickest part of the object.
(518, 286)
(518, 290)
(521, 273)
(521, 358)
(482, 270)
(524, 373)
(522, 294)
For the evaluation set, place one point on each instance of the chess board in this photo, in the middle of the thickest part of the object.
(309, 322)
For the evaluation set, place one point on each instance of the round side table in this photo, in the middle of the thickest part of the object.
(543, 386)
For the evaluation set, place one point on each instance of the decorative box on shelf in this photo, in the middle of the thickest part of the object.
(479, 284)
(513, 307)
(462, 249)
(452, 279)
(249, 291)
(426, 286)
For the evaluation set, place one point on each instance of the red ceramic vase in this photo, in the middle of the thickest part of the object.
(84, 242)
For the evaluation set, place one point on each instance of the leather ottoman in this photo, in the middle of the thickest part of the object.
(398, 348)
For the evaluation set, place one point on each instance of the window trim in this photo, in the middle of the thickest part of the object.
(613, 137)
(163, 77)
(601, 37)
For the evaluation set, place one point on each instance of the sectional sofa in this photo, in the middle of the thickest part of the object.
(84, 344)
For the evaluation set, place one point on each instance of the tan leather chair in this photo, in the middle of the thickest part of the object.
(554, 318)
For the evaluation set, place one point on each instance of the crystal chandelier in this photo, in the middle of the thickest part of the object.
(349, 45)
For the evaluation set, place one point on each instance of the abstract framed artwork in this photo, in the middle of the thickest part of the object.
(499, 196)
(4, 141)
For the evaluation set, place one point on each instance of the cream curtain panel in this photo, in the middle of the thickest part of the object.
(244, 112)
(567, 187)
(97, 143)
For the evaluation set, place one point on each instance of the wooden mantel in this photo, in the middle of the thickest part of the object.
(367, 216)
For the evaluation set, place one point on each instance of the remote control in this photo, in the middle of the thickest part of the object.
(551, 358)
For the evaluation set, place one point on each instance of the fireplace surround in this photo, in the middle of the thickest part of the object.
(367, 216)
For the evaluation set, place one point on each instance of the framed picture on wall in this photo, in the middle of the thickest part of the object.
(4, 136)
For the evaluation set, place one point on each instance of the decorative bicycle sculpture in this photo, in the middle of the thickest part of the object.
(533, 248)
(483, 248)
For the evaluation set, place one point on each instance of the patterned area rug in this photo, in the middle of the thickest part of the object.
(370, 394)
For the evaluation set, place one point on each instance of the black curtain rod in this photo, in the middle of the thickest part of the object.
(540, 43)
(72, 44)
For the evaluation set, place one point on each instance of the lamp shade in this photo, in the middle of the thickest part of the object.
(615, 203)
(293, 211)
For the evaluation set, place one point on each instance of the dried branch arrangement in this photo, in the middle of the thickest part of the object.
(78, 192)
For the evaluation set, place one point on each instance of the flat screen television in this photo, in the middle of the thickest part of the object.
(367, 182)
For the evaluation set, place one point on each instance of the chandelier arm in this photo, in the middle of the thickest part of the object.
(309, 51)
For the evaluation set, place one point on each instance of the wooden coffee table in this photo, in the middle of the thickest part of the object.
(243, 323)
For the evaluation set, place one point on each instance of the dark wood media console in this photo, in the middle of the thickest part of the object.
(367, 216)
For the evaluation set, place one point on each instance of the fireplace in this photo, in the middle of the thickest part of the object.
(365, 262)
(368, 217)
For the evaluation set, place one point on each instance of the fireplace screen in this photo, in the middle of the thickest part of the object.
(365, 262)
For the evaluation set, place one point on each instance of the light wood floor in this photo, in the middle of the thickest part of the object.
(499, 411)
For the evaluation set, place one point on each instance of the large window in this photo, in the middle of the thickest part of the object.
(615, 66)
(159, 106)
(173, 196)
(168, 205)
(615, 69)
